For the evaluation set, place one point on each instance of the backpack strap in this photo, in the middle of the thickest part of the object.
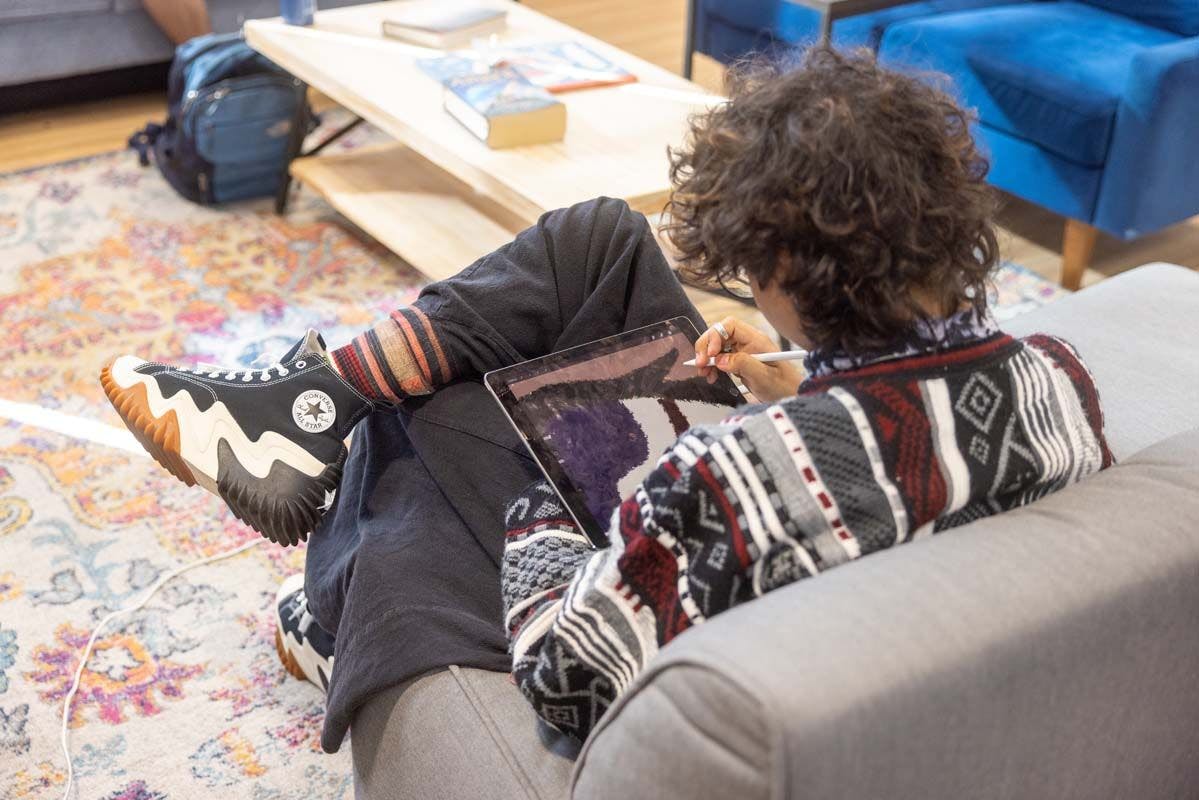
(143, 141)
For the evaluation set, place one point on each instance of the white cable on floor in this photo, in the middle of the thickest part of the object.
(66, 705)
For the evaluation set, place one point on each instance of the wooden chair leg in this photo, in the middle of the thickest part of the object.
(689, 43)
(1078, 243)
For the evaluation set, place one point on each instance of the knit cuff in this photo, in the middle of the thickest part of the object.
(399, 357)
(424, 346)
(542, 552)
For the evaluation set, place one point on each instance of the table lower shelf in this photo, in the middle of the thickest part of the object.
(434, 221)
(427, 217)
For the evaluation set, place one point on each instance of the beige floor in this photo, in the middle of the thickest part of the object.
(654, 31)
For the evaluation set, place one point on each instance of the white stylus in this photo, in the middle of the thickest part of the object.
(765, 358)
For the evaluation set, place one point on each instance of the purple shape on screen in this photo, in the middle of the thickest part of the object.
(598, 444)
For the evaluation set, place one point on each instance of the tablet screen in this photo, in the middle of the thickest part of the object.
(598, 416)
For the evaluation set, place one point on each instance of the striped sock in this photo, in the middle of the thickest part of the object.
(397, 358)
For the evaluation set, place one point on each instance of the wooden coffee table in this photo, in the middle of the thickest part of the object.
(438, 197)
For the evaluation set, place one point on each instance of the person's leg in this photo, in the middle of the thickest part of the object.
(180, 20)
(579, 274)
(405, 568)
(270, 441)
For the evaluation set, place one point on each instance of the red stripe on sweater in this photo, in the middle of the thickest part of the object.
(543, 523)
(948, 358)
(649, 570)
(735, 533)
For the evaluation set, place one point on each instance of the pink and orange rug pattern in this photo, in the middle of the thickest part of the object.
(186, 698)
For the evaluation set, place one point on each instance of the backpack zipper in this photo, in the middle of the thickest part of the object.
(218, 40)
(221, 89)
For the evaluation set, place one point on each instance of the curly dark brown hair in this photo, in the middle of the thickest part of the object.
(857, 189)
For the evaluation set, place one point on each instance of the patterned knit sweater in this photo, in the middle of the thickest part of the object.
(875, 450)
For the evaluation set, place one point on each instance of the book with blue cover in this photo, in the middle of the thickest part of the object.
(503, 109)
(565, 67)
(554, 66)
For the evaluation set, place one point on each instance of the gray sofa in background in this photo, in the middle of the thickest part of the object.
(46, 39)
(1051, 652)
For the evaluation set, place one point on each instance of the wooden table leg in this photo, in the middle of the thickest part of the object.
(1078, 243)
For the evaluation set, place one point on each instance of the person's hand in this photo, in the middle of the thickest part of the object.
(768, 382)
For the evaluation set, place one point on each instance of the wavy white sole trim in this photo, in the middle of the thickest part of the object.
(200, 431)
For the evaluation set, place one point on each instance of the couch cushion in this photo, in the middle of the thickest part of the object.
(1049, 73)
(1180, 16)
(457, 734)
(23, 10)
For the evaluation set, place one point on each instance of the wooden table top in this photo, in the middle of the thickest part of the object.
(616, 137)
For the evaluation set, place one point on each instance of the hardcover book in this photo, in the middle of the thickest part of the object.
(503, 109)
(444, 26)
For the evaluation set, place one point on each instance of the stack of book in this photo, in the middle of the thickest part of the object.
(504, 95)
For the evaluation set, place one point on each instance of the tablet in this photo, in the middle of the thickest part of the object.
(597, 417)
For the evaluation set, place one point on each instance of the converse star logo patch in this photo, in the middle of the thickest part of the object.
(313, 411)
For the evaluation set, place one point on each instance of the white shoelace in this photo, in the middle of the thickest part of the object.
(300, 611)
(246, 374)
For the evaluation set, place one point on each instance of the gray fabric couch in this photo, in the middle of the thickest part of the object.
(1051, 652)
(46, 39)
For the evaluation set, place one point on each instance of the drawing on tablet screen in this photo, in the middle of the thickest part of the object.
(608, 419)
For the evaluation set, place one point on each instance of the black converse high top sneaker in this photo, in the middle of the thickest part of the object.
(269, 442)
(303, 646)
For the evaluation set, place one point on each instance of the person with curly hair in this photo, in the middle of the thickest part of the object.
(851, 201)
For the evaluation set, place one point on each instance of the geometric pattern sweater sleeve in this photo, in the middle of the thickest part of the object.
(859, 461)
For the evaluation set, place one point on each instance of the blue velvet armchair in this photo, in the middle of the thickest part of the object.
(729, 29)
(1089, 109)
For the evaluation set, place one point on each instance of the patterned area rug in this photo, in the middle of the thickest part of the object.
(186, 698)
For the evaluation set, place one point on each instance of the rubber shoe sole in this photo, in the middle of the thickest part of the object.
(289, 661)
(158, 435)
(284, 506)
(291, 656)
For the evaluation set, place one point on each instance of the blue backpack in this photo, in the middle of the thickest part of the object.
(229, 129)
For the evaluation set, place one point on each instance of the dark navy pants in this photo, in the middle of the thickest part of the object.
(404, 569)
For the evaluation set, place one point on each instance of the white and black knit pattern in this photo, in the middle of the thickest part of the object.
(859, 461)
(542, 553)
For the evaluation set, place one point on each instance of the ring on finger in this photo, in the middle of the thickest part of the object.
(723, 331)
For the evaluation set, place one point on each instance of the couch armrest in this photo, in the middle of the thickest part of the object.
(1137, 334)
(1152, 169)
(1048, 652)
